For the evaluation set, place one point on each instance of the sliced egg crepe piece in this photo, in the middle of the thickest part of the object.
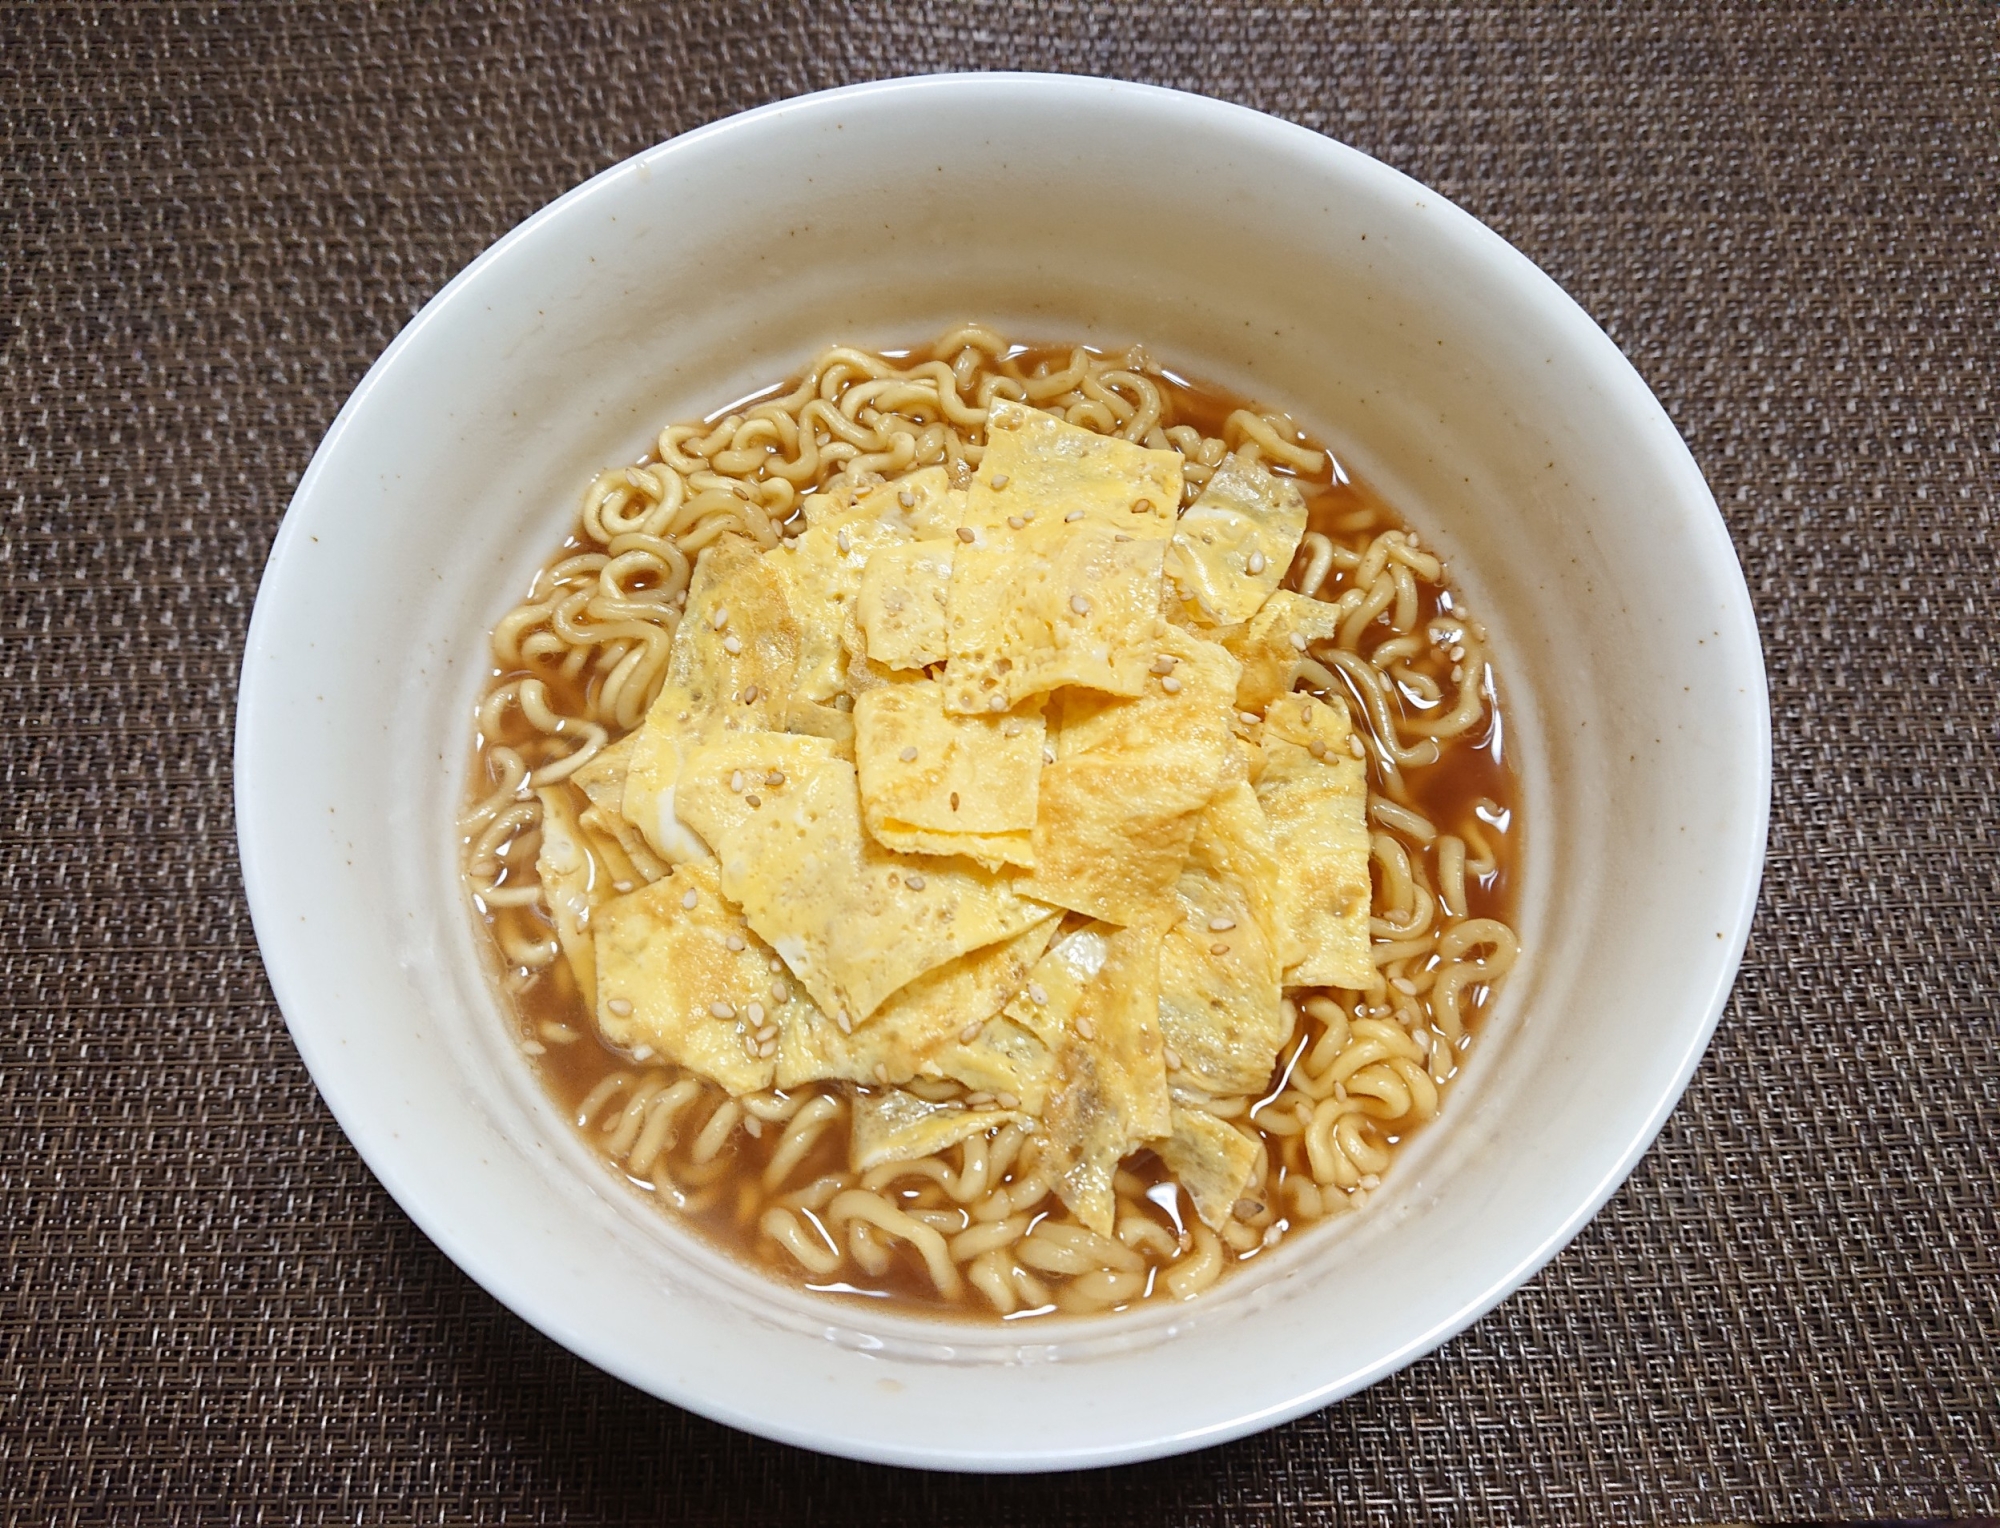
(1315, 797)
(823, 570)
(1041, 470)
(937, 783)
(1272, 644)
(1222, 963)
(573, 882)
(1116, 811)
(853, 921)
(893, 1126)
(1235, 542)
(1094, 1001)
(900, 608)
(1213, 1161)
(1063, 605)
(903, 1038)
(730, 669)
(679, 971)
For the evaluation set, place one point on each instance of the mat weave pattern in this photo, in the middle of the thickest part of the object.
(213, 218)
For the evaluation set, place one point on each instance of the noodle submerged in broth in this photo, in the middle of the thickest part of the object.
(1003, 829)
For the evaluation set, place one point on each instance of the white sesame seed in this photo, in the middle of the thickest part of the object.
(754, 801)
(1036, 993)
(1080, 604)
(846, 1024)
(1121, 536)
(1142, 507)
(1048, 753)
(1012, 727)
(1371, 1180)
(621, 885)
(1171, 685)
(1272, 1233)
(1173, 1059)
(1414, 539)
(1221, 925)
(1218, 949)
(734, 943)
(840, 539)
(1249, 718)
(1317, 748)
(721, 1010)
(775, 778)
(1304, 1112)
(1086, 1029)
(768, 1049)
(718, 617)
(642, 1053)
(780, 993)
(732, 644)
(1298, 642)
(1404, 985)
(907, 499)
(999, 480)
(1457, 654)
(736, 781)
(1007, 1100)
(768, 1032)
(690, 901)
(619, 1006)
(1354, 747)
(1457, 673)
(1164, 664)
(755, 1013)
(1072, 517)
(970, 1033)
(881, 1072)
(914, 882)
(534, 1048)
(1016, 522)
(908, 755)
(997, 703)
(967, 534)
(777, 968)
(979, 1099)
(1256, 563)
(753, 1127)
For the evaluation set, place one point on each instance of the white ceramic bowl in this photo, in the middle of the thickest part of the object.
(1256, 254)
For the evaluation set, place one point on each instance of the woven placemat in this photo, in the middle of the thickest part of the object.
(211, 221)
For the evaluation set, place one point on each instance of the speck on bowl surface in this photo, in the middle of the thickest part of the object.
(1249, 252)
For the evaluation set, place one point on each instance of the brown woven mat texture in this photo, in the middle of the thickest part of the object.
(212, 219)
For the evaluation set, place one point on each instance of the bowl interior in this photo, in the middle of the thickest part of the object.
(1253, 254)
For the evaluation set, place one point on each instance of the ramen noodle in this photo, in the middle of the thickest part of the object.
(1006, 830)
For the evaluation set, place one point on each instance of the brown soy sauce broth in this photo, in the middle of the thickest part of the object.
(1470, 785)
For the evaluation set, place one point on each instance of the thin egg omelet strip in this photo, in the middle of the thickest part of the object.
(853, 921)
(1314, 792)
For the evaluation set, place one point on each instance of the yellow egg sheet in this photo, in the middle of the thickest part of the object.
(937, 783)
(1004, 1059)
(853, 921)
(823, 570)
(573, 882)
(1068, 605)
(1271, 645)
(1315, 797)
(730, 669)
(1040, 469)
(921, 503)
(1094, 1001)
(903, 1039)
(901, 605)
(809, 718)
(693, 983)
(893, 1126)
(1212, 1160)
(621, 847)
(1222, 963)
(1235, 542)
(1116, 812)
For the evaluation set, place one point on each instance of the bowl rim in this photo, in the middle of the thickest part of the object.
(1610, 367)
